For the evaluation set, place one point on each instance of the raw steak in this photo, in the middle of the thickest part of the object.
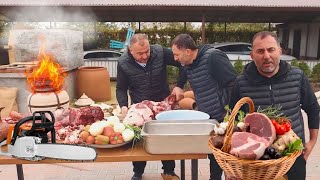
(261, 125)
(85, 115)
(78, 116)
(247, 145)
(139, 113)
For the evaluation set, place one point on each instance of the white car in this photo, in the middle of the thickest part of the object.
(103, 58)
(241, 50)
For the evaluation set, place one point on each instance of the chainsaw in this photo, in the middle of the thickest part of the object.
(32, 143)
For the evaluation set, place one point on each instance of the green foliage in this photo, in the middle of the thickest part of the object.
(238, 66)
(316, 73)
(236, 32)
(295, 63)
(4, 29)
(303, 66)
(172, 73)
(164, 34)
(99, 34)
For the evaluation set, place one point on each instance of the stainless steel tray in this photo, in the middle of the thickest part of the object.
(177, 136)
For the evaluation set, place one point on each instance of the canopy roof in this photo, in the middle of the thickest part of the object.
(275, 11)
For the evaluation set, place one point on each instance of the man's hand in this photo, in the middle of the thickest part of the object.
(124, 111)
(178, 92)
(309, 145)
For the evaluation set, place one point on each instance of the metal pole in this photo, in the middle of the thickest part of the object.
(183, 169)
(203, 35)
(20, 171)
(95, 34)
(194, 169)
(269, 26)
(139, 26)
(225, 31)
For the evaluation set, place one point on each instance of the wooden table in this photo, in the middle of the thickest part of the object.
(121, 154)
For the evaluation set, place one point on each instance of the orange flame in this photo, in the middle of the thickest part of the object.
(48, 74)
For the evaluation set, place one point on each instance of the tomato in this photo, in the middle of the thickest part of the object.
(280, 129)
(274, 122)
(281, 125)
(288, 126)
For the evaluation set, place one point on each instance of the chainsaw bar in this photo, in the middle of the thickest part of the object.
(29, 148)
(73, 154)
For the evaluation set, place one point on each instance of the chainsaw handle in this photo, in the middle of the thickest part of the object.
(45, 123)
(17, 128)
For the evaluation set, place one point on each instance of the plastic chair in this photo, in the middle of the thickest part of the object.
(121, 45)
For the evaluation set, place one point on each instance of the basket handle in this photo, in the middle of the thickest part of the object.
(227, 139)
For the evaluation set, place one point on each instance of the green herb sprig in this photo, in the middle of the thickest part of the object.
(240, 116)
(293, 147)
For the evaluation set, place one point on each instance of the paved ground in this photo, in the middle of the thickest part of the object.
(123, 171)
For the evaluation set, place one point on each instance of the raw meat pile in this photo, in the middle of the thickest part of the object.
(68, 122)
(139, 113)
(77, 116)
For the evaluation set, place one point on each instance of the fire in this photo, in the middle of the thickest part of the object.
(48, 74)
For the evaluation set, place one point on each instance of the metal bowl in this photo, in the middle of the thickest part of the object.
(182, 115)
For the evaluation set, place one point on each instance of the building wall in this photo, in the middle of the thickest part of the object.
(309, 39)
(313, 40)
(65, 45)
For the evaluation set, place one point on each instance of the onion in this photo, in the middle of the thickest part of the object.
(119, 127)
(127, 135)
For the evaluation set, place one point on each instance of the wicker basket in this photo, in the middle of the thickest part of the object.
(249, 169)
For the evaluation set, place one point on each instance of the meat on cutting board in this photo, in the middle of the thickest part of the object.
(139, 113)
(247, 145)
(261, 125)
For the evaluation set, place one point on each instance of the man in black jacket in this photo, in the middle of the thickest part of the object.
(211, 77)
(269, 81)
(142, 72)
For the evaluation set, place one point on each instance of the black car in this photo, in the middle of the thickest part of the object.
(101, 54)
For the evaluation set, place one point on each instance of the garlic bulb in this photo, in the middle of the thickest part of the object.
(241, 125)
(220, 129)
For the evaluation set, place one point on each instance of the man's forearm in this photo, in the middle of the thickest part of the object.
(313, 135)
(122, 98)
(182, 78)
